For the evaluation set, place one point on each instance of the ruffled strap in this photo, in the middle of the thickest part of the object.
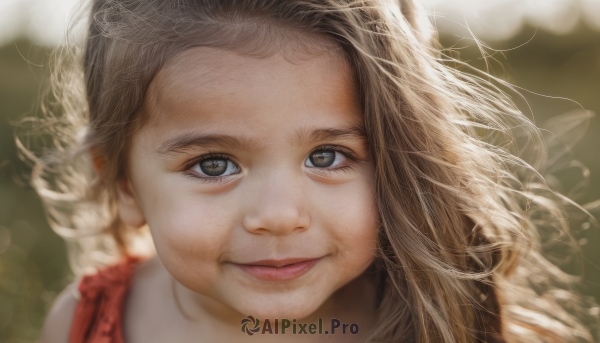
(98, 315)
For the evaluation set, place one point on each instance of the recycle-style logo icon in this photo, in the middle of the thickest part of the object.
(252, 320)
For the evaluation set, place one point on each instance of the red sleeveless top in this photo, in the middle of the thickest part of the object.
(98, 315)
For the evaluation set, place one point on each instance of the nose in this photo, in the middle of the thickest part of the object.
(276, 206)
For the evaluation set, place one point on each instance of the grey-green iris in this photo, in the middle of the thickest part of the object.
(213, 167)
(322, 158)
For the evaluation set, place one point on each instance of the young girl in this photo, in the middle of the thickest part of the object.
(306, 170)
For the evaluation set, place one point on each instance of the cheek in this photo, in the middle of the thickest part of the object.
(189, 229)
(352, 219)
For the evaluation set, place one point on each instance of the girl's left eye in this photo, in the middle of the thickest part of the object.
(324, 158)
(215, 167)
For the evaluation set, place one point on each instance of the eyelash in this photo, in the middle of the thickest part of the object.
(222, 179)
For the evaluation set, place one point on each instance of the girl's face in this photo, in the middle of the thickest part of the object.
(254, 177)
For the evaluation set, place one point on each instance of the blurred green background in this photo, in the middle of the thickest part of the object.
(33, 263)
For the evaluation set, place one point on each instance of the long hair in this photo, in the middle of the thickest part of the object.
(462, 213)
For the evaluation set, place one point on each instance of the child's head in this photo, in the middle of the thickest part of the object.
(241, 131)
(246, 159)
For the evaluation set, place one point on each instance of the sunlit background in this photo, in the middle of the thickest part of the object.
(44, 21)
(548, 49)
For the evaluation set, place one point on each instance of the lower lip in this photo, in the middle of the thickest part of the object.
(285, 273)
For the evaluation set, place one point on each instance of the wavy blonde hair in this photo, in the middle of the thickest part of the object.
(463, 214)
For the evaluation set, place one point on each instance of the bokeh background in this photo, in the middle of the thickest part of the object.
(548, 49)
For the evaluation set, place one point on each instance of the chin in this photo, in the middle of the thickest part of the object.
(280, 306)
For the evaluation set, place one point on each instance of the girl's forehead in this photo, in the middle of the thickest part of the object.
(214, 83)
(209, 66)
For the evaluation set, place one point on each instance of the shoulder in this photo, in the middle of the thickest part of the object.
(58, 321)
(78, 302)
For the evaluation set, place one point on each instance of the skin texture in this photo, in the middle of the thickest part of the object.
(273, 205)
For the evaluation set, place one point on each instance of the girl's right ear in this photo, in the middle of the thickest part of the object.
(130, 211)
(97, 160)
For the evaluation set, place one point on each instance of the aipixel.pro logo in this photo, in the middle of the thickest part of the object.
(251, 326)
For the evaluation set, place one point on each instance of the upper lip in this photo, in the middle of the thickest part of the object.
(279, 263)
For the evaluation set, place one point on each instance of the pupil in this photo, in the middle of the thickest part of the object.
(213, 167)
(322, 158)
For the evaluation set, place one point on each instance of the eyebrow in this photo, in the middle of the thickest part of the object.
(355, 133)
(184, 142)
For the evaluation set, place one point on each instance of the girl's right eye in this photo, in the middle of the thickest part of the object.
(215, 167)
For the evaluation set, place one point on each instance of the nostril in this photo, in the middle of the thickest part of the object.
(275, 225)
(276, 210)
